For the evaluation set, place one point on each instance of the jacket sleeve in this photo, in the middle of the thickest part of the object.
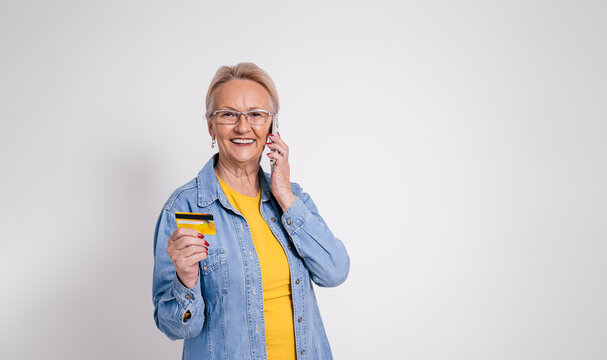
(178, 311)
(323, 254)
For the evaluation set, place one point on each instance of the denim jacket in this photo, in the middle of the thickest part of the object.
(226, 304)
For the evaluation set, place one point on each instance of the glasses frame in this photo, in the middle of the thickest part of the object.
(246, 116)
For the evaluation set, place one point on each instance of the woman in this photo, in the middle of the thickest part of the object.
(245, 292)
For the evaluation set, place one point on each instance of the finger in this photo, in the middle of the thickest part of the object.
(278, 151)
(189, 251)
(280, 148)
(276, 139)
(186, 241)
(276, 156)
(196, 258)
(180, 232)
(180, 258)
(272, 135)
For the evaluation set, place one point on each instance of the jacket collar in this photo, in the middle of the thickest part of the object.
(210, 190)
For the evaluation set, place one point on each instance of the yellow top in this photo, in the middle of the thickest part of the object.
(275, 277)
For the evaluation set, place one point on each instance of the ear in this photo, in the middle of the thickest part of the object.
(211, 130)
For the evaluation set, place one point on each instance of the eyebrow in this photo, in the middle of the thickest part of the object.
(250, 109)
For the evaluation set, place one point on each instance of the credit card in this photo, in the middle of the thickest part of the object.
(203, 223)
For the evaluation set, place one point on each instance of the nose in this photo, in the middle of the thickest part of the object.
(242, 124)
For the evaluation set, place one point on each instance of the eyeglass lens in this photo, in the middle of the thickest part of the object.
(231, 117)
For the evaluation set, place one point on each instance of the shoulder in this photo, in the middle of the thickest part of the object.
(186, 193)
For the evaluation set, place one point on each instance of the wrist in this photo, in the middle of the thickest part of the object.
(187, 281)
(286, 200)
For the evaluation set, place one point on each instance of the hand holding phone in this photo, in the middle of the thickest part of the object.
(281, 176)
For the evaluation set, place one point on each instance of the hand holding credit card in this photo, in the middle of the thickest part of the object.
(187, 245)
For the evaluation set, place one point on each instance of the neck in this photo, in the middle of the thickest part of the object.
(243, 178)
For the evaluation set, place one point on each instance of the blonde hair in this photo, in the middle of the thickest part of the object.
(244, 70)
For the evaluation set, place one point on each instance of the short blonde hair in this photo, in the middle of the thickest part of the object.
(244, 70)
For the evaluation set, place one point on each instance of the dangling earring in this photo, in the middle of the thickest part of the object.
(213, 144)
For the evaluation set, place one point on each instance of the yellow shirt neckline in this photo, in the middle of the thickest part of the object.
(240, 196)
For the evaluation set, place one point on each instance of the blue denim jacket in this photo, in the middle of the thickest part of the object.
(226, 304)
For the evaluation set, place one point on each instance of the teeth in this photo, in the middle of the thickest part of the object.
(242, 141)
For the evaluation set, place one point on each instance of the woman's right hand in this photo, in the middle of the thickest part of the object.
(186, 248)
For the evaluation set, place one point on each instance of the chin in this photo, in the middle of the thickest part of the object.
(246, 158)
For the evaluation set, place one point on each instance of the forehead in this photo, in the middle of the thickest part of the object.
(241, 94)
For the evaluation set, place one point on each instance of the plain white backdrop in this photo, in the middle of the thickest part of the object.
(458, 149)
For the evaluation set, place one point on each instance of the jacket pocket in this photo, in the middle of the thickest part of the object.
(214, 275)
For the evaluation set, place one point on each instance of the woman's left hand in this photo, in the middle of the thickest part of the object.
(281, 177)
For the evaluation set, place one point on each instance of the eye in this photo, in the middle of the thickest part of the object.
(226, 114)
(255, 114)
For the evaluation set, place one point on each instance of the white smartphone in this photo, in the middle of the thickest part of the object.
(273, 131)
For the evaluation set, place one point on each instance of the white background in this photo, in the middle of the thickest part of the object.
(456, 147)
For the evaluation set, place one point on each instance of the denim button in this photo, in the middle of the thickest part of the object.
(303, 352)
(289, 222)
(297, 281)
(289, 247)
(254, 291)
(204, 267)
(300, 319)
(251, 254)
(273, 219)
(188, 296)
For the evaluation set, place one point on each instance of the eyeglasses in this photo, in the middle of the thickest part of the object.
(231, 117)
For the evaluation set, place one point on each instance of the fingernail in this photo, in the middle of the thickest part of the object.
(268, 153)
(269, 143)
(200, 236)
(272, 134)
(206, 243)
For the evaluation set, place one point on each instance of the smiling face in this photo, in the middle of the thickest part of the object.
(240, 144)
